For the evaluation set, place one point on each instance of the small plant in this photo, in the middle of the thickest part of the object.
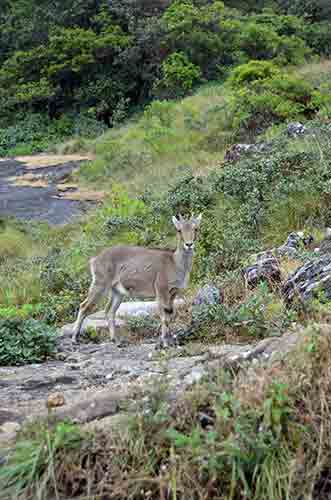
(258, 315)
(25, 341)
(143, 324)
(23, 312)
(34, 458)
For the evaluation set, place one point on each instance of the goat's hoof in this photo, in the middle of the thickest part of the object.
(117, 342)
(161, 345)
(121, 344)
(75, 340)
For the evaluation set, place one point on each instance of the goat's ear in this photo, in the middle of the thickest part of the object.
(197, 220)
(176, 223)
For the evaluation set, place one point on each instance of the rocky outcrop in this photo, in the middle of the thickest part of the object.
(294, 242)
(265, 269)
(32, 188)
(296, 128)
(96, 381)
(311, 279)
(325, 245)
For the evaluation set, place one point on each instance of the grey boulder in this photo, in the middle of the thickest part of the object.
(296, 128)
(310, 280)
(265, 269)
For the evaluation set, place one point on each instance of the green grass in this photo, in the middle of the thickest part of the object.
(34, 458)
(167, 138)
(267, 432)
(256, 435)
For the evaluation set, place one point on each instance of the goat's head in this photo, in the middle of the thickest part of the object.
(187, 230)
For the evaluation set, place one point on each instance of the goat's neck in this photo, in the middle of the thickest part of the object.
(182, 258)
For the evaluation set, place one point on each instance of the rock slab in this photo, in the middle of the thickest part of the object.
(311, 279)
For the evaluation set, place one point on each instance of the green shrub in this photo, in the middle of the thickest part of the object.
(272, 97)
(318, 37)
(258, 315)
(195, 32)
(258, 41)
(179, 74)
(35, 132)
(23, 312)
(252, 71)
(25, 341)
(261, 41)
(188, 194)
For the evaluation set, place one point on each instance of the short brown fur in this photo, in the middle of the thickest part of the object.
(141, 272)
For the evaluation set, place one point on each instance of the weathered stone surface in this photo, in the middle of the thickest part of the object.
(267, 348)
(99, 406)
(8, 432)
(265, 269)
(104, 375)
(6, 415)
(312, 278)
(196, 374)
(325, 245)
(293, 243)
(208, 295)
(296, 128)
(28, 188)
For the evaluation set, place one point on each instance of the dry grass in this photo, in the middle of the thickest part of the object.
(48, 160)
(263, 433)
(288, 266)
(316, 73)
(28, 180)
(80, 194)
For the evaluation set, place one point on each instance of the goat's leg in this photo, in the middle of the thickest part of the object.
(111, 307)
(165, 298)
(164, 339)
(94, 295)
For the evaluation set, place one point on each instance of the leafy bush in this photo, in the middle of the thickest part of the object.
(318, 37)
(261, 41)
(195, 30)
(188, 194)
(25, 341)
(271, 97)
(179, 74)
(257, 315)
(34, 132)
(252, 71)
(23, 312)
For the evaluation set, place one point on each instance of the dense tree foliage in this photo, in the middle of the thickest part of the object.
(106, 56)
